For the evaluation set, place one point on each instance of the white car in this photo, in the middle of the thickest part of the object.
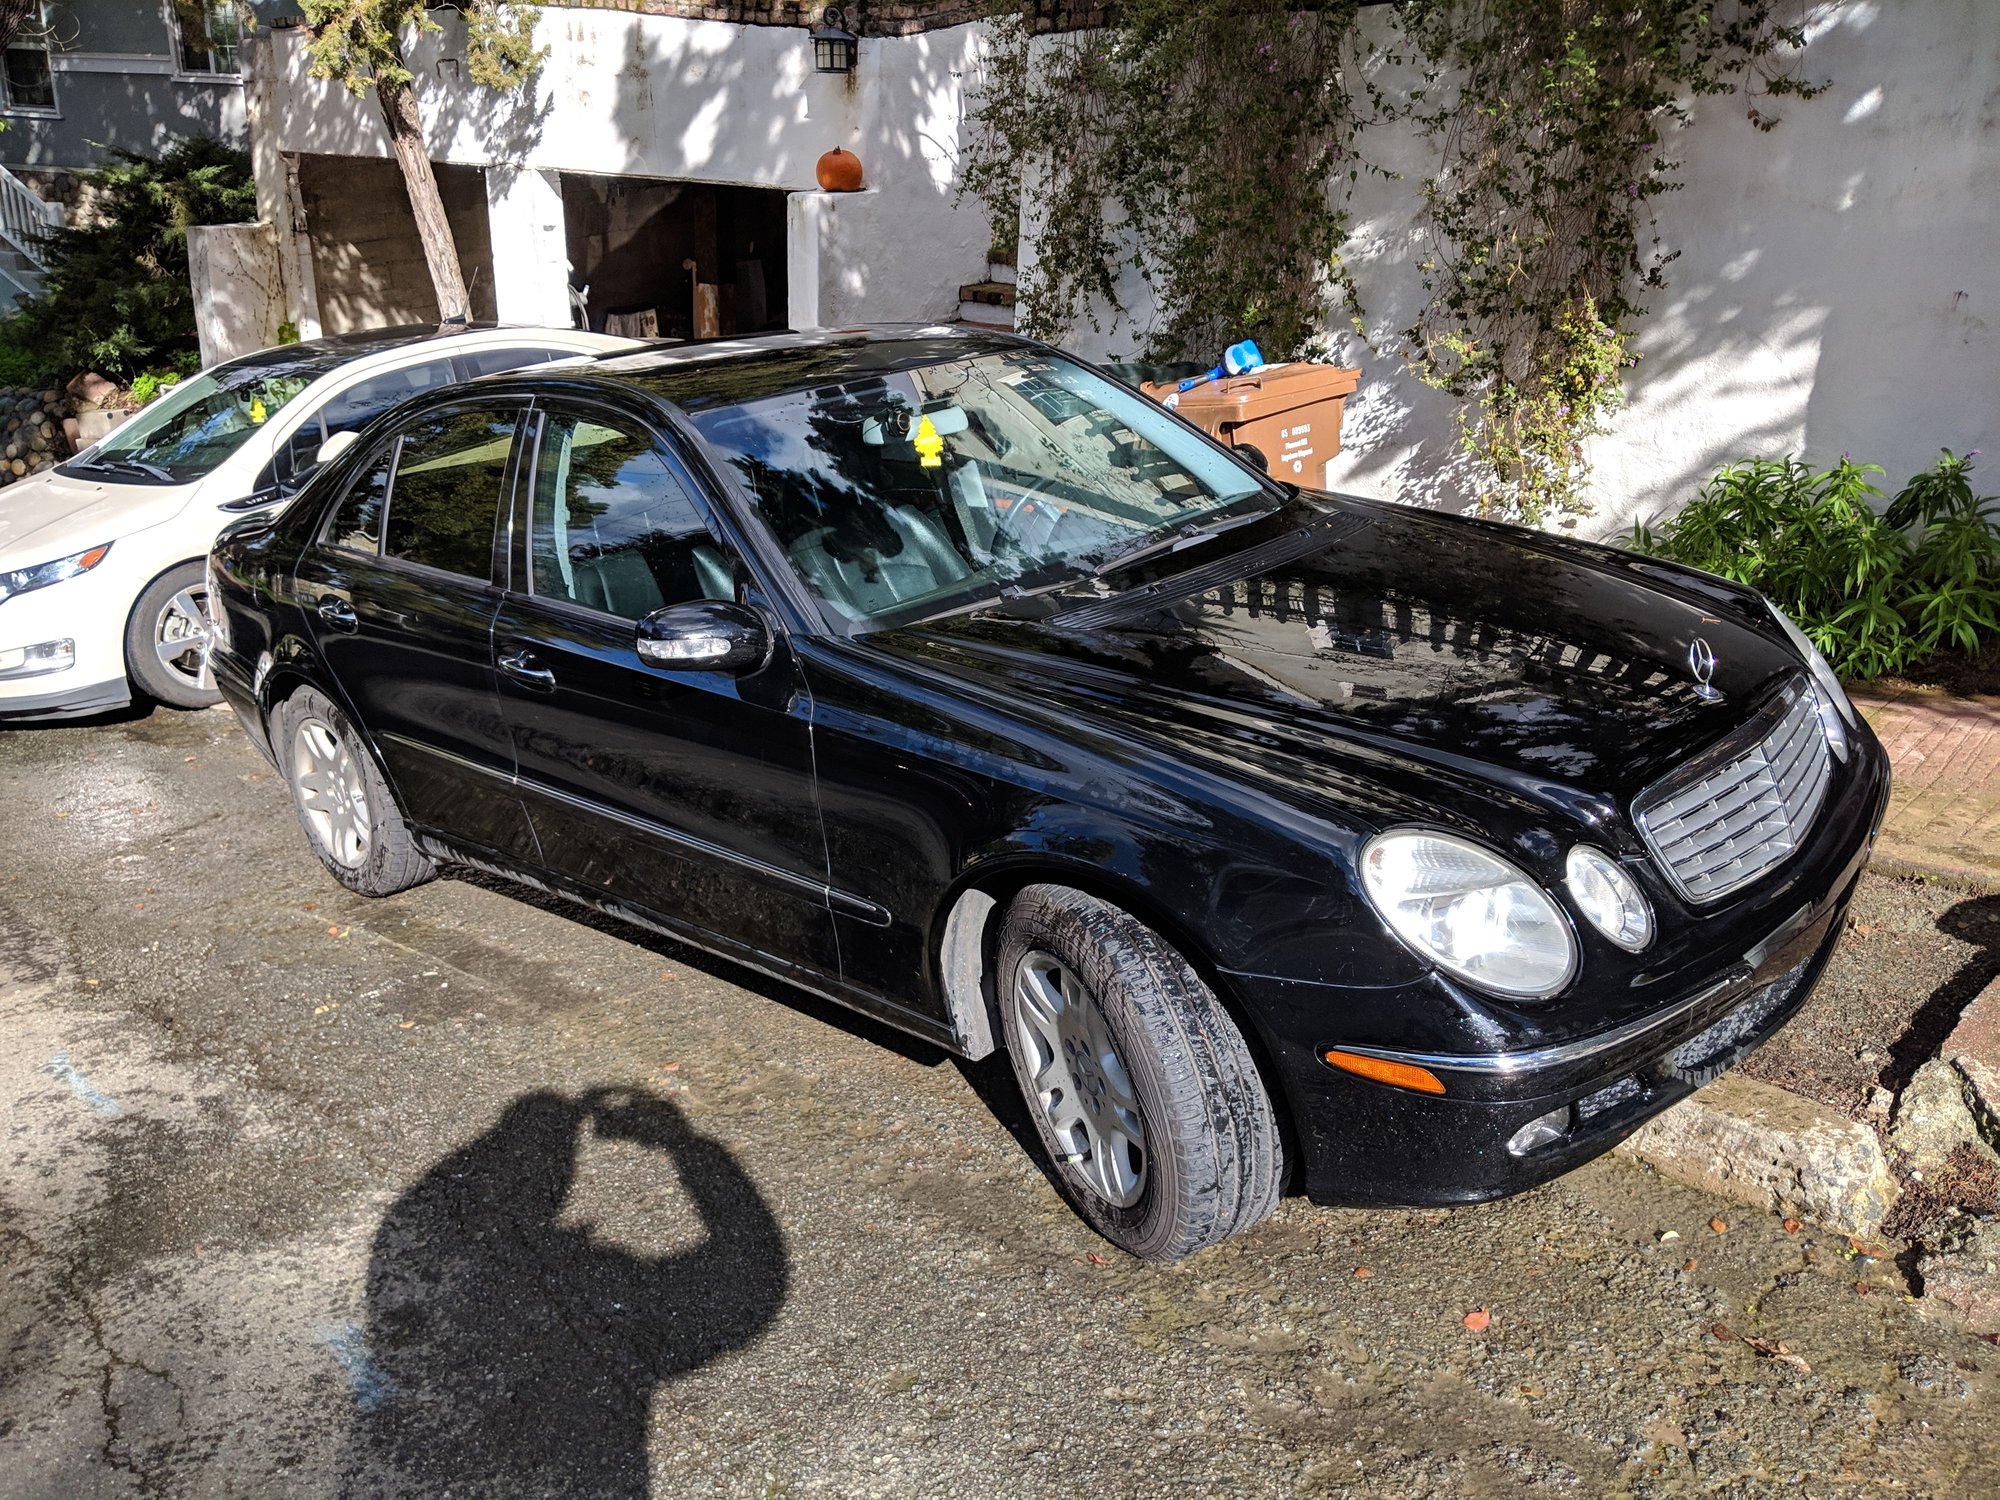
(102, 558)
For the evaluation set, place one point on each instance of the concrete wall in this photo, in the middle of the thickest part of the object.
(1837, 287)
(239, 290)
(368, 265)
(704, 101)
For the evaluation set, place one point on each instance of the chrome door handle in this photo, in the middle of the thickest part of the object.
(337, 612)
(523, 668)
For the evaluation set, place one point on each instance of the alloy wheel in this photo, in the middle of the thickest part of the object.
(181, 636)
(1080, 1080)
(332, 792)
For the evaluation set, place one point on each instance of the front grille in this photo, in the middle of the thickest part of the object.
(1733, 821)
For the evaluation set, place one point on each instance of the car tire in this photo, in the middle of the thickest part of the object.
(345, 807)
(1137, 1038)
(172, 612)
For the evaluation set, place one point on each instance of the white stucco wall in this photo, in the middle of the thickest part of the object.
(705, 101)
(1837, 286)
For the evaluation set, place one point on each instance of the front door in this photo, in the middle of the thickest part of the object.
(401, 597)
(688, 794)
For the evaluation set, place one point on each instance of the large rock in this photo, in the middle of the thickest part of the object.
(1773, 1150)
(93, 388)
(1934, 1118)
(1974, 1049)
(1964, 1274)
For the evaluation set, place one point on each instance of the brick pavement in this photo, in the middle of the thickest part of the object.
(1944, 813)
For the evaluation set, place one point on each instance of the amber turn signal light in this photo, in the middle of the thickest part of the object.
(1396, 1074)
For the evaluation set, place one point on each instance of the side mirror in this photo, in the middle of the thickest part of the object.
(334, 446)
(706, 635)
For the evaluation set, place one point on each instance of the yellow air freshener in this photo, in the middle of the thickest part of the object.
(929, 446)
(257, 412)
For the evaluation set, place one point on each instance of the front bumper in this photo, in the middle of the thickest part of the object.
(90, 610)
(70, 702)
(1367, 1143)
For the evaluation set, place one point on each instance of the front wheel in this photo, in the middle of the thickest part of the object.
(166, 639)
(1142, 1089)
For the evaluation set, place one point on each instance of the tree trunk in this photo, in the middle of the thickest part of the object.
(406, 133)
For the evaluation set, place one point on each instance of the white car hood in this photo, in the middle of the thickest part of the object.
(54, 515)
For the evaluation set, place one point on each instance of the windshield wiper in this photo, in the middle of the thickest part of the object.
(1192, 534)
(129, 466)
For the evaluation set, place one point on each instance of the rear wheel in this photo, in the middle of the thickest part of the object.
(166, 639)
(345, 807)
(1142, 1089)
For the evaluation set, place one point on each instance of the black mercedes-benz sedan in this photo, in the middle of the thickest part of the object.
(1278, 837)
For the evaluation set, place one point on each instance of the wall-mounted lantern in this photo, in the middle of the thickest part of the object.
(834, 48)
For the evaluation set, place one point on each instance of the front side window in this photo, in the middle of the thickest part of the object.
(444, 501)
(354, 408)
(911, 493)
(613, 527)
(209, 35)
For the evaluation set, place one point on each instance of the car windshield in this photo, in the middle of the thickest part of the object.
(187, 433)
(903, 495)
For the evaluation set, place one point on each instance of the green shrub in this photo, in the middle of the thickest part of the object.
(115, 296)
(1877, 589)
(22, 363)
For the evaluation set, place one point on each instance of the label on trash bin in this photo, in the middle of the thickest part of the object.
(1296, 446)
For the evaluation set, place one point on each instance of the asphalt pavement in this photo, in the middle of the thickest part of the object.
(468, 1193)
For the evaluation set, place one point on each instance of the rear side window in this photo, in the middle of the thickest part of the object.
(444, 505)
(492, 361)
(356, 525)
(613, 528)
(353, 408)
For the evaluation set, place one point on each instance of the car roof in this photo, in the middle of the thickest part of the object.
(727, 372)
(322, 356)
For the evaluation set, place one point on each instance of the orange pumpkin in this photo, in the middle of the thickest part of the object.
(840, 171)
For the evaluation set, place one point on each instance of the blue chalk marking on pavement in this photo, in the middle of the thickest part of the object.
(349, 1348)
(64, 1071)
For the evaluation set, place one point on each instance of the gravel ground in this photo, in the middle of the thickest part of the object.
(459, 1193)
(1913, 956)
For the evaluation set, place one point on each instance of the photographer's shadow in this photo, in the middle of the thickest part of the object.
(511, 1355)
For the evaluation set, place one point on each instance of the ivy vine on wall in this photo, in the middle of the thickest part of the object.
(1210, 148)
(1196, 143)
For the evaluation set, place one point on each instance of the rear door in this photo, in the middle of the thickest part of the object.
(401, 594)
(687, 793)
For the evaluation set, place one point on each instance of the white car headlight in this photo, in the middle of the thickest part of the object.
(1470, 912)
(1608, 898)
(41, 575)
(1836, 711)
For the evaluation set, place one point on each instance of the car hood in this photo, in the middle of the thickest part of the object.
(54, 514)
(1348, 639)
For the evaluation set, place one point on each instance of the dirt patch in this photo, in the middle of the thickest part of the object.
(1953, 672)
(1912, 957)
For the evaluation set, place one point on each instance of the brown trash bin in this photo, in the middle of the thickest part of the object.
(1285, 418)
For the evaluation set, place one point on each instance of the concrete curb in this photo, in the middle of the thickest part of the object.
(1774, 1150)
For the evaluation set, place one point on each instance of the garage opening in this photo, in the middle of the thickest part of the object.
(651, 258)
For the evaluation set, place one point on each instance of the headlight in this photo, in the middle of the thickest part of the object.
(1469, 911)
(1836, 712)
(1608, 899)
(41, 575)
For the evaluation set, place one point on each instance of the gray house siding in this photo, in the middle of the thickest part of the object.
(118, 85)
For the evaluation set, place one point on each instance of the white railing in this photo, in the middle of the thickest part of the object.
(25, 216)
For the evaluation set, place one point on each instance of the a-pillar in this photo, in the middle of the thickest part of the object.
(524, 211)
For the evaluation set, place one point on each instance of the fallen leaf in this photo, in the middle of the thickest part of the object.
(670, 1067)
(91, 983)
(1689, 1264)
(333, 932)
(310, 906)
(1095, 1259)
(1719, 1224)
(1775, 1349)
(404, 1025)
(1860, 1288)
(1721, 1333)
(1479, 1321)
(1791, 1226)
(1362, 1273)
